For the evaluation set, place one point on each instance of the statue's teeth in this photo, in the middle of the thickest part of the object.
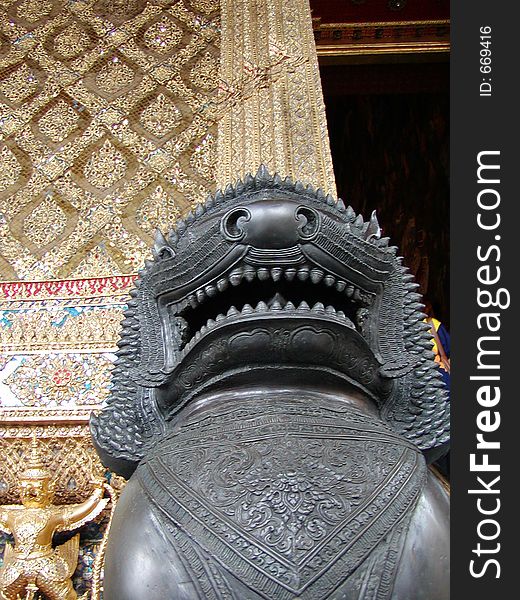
(192, 299)
(235, 278)
(329, 280)
(290, 274)
(200, 296)
(316, 275)
(222, 284)
(340, 286)
(276, 273)
(261, 306)
(232, 311)
(349, 291)
(318, 307)
(303, 273)
(357, 295)
(303, 306)
(289, 306)
(263, 274)
(249, 274)
(210, 290)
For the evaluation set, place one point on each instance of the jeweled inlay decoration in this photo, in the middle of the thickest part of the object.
(114, 76)
(106, 166)
(59, 121)
(71, 42)
(33, 10)
(204, 74)
(10, 170)
(162, 205)
(161, 116)
(19, 83)
(45, 223)
(163, 36)
(97, 101)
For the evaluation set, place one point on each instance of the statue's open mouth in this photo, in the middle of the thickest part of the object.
(250, 290)
(253, 322)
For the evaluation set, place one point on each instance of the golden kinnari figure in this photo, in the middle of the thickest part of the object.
(32, 564)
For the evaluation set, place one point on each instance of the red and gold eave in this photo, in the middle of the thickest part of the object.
(375, 27)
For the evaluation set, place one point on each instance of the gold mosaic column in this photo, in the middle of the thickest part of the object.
(271, 102)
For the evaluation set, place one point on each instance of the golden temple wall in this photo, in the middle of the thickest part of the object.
(105, 132)
(117, 118)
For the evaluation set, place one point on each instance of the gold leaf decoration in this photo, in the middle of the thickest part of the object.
(161, 116)
(163, 36)
(204, 74)
(105, 167)
(19, 83)
(71, 42)
(115, 76)
(45, 223)
(33, 10)
(11, 168)
(59, 121)
(80, 74)
(159, 208)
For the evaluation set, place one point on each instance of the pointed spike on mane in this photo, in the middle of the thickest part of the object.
(159, 239)
(320, 195)
(299, 188)
(310, 191)
(262, 175)
(199, 210)
(330, 200)
(249, 182)
(350, 214)
(359, 222)
(277, 180)
(189, 218)
(229, 192)
(288, 184)
(219, 197)
(173, 237)
(340, 205)
(239, 187)
(373, 231)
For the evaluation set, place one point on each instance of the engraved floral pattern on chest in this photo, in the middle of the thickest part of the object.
(291, 494)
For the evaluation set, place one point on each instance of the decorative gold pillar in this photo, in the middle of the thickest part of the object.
(271, 103)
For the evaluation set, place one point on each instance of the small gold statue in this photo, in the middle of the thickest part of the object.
(32, 563)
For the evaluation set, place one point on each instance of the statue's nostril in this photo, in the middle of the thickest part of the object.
(309, 222)
(233, 224)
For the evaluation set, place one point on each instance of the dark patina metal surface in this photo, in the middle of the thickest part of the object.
(275, 403)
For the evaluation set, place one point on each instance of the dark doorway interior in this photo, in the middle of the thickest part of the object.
(389, 134)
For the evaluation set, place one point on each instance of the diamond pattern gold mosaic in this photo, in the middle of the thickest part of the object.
(104, 129)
